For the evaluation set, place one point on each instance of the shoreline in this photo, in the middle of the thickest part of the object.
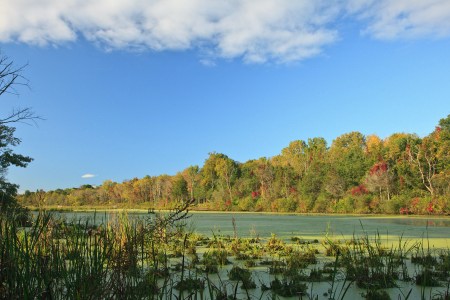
(68, 209)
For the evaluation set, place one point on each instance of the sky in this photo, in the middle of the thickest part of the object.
(130, 88)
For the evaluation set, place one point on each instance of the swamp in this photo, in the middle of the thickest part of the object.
(180, 255)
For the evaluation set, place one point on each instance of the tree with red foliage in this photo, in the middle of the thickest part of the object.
(404, 211)
(379, 179)
(255, 194)
(359, 190)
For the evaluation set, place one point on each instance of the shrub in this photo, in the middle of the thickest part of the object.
(246, 204)
(322, 204)
(346, 205)
(285, 204)
(394, 205)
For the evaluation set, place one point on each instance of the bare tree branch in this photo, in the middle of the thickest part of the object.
(21, 115)
(10, 78)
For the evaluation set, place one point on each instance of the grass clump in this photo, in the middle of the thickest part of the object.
(242, 275)
(318, 275)
(190, 284)
(287, 287)
(427, 278)
(372, 266)
(274, 244)
(216, 257)
(376, 295)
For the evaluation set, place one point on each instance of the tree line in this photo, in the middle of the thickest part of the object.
(402, 173)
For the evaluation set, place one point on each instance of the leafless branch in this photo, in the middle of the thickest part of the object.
(21, 115)
(10, 76)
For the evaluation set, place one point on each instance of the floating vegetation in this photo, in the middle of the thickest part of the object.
(157, 258)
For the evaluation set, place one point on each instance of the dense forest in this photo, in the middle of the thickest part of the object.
(402, 174)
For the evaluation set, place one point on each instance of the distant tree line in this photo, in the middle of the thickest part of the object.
(356, 174)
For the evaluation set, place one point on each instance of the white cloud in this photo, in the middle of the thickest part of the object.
(88, 175)
(255, 30)
(404, 19)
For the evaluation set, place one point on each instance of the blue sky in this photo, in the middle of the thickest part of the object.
(123, 97)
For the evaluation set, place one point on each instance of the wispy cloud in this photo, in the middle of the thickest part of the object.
(404, 19)
(88, 175)
(256, 31)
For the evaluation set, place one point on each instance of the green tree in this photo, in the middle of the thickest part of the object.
(248, 183)
(10, 77)
(312, 183)
(218, 176)
(9, 158)
(209, 176)
(296, 156)
(228, 171)
(442, 136)
(396, 157)
(285, 178)
(348, 163)
(179, 188)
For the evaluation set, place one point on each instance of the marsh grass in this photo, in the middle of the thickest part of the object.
(156, 258)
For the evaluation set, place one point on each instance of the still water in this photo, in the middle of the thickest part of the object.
(285, 226)
(434, 231)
